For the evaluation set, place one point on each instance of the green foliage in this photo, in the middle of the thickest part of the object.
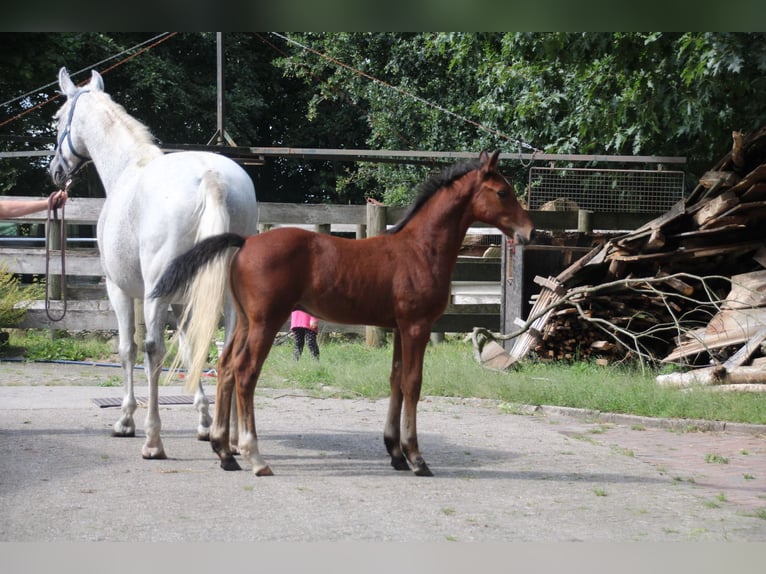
(15, 297)
(41, 346)
(600, 93)
(563, 92)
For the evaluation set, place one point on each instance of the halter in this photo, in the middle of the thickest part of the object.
(67, 135)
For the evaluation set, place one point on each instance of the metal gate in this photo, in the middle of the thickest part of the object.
(604, 190)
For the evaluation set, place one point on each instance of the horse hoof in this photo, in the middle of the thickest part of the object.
(265, 471)
(203, 436)
(422, 470)
(124, 433)
(230, 464)
(400, 463)
(154, 453)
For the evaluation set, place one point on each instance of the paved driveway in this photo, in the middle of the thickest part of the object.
(499, 476)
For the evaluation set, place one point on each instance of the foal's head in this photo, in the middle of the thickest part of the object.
(495, 203)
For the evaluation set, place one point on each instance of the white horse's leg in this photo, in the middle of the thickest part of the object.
(201, 402)
(155, 313)
(127, 348)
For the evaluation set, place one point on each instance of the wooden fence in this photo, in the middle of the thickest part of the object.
(476, 289)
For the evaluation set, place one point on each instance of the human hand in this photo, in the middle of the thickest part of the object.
(57, 199)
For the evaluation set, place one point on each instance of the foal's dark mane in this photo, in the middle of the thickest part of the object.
(432, 185)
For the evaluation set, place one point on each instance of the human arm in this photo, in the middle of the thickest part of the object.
(10, 209)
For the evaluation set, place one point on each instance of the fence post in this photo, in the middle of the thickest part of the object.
(584, 221)
(376, 225)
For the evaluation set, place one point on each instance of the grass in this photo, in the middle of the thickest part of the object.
(712, 458)
(37, 345)
(351, 369)
(450, 370)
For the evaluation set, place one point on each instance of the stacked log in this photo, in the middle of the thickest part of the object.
(675, 290)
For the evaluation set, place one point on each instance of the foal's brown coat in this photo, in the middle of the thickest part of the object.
(399, 280)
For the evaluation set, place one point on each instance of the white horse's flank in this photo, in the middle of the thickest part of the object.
(157, 206)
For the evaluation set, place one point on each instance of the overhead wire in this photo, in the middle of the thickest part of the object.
(141, 47)
(337, 62)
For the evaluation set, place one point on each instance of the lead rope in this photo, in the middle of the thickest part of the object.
(53, 210)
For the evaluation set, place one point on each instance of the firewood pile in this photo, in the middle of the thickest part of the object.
(687, 288)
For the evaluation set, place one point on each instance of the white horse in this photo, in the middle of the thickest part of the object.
(157, 206)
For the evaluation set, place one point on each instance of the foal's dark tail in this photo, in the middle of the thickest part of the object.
(204, 296)
(183, 268)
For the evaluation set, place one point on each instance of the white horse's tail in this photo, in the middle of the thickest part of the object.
(205, 295)
(184, 271)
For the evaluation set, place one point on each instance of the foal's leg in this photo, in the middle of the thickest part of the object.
(220, 438)
(414, 342)
(230, 325)
(247, 370)
(391, 431)
(127, 349)
(201, 402)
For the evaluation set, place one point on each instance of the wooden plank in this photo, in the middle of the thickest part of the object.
(84, 262)
(747, 290)
(715, 206)
(755, 176)
(722, 178)
(756, 192)
(702, 234)
(747, 350)
(728, 327)
(692, 253)
(677, 284)
(476, 269)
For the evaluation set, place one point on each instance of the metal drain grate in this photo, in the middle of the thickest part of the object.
(143, 401)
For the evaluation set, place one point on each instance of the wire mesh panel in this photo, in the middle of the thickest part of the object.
(604, 190)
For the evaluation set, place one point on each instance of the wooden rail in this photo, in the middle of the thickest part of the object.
(477, 290)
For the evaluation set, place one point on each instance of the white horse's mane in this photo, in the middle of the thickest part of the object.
(145, 142)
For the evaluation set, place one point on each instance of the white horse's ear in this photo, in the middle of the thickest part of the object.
(65, 83)
(96, 83)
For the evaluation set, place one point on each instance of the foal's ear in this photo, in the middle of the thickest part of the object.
(489, 163)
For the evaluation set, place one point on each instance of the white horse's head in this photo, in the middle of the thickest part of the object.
(71, 152)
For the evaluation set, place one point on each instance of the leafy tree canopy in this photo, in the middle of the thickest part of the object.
(598, 93)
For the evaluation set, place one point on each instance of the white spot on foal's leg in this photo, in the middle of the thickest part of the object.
(248, 447)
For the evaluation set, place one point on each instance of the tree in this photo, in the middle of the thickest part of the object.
(601, 93)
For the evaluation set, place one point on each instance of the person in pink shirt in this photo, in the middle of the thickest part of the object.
(304, 328)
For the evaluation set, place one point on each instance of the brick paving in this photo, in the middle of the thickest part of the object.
(728, 467)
